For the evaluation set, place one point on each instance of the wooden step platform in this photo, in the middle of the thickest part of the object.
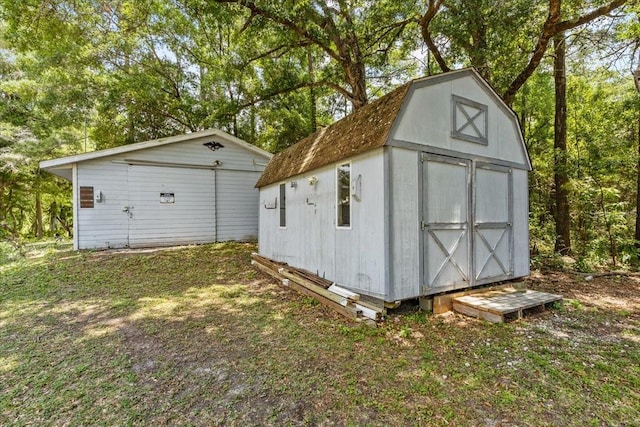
(504, 305)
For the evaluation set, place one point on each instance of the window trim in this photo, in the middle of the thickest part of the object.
(282, 206)
(337, 199)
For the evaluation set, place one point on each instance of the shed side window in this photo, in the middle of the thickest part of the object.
(344, 195)
(283, 206)
(86, 197)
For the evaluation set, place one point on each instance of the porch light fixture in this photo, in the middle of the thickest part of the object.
(213, 146)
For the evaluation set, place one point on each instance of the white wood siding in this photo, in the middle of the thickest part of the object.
(193, 152)
(520, 223)
(104, 225)
(237, 209)
(427, 118)
(351, 256)
(404, 224)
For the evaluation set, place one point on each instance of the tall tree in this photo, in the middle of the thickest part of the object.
(637, 222)
(561, 176)
(636, 80)
(354, 36)
(506, 29)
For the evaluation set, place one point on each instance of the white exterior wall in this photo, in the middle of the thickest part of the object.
(405, 217)
(353, 257)
(427, 119)
(104, 225)
(231, 185)
(404, 224)
(193, 152)
(520, 223)
(237, 208)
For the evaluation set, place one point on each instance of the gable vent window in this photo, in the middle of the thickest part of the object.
(470, 120)
(344, 195)
(283, 206)
(86, 197)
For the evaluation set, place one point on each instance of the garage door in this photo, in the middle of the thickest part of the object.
(170, 206)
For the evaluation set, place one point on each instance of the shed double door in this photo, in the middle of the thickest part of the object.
(467, 234)
(170, 205)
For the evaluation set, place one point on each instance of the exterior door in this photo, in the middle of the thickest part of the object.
(467, 233)
(169, 206)
(493, 219)
(445, 224)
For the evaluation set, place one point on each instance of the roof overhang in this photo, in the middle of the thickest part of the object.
(64, 171)
(62, 166)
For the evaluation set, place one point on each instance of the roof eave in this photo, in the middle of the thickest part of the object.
(68, 160)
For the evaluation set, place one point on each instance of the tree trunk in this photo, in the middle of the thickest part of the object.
(38, 218)
(561, 177)
(637, 233)
(53, 217)
(312, 93)
(128, 105)
(356, 77)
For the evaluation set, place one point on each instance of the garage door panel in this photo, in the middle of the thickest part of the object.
(189, 218)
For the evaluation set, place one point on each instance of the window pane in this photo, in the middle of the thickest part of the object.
(344, 195)
(283, 206)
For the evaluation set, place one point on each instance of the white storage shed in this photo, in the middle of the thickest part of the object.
(423, 191)
(192, 188)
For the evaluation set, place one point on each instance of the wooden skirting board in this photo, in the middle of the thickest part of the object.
(342, 300)
(503, 305)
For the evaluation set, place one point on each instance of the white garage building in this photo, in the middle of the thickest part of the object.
(192, 188)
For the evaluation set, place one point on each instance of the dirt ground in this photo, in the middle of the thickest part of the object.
(610, 292)
(196, 336)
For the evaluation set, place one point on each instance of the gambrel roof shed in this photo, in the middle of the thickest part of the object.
(193, 188)
(369, 128)
(422, 191)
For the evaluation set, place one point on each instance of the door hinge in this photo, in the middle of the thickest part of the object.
(422, 157)
(423, 225)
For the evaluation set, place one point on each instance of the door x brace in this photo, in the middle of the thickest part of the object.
(448, 255)
(492, 252)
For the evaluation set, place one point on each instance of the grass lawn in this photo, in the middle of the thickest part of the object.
(196, 336)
